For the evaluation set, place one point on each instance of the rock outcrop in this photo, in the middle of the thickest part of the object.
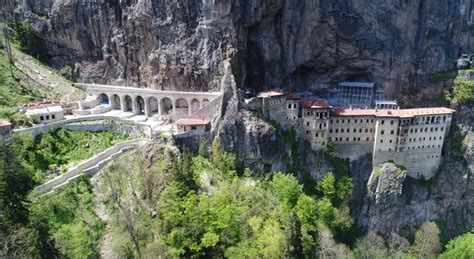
(291, 44)
(393, 202)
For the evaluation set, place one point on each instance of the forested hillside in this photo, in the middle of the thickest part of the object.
(175, 204)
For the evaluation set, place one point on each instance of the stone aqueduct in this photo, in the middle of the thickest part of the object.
(151, 102)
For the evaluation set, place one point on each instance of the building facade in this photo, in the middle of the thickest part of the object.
(409, 137)
(46, 114)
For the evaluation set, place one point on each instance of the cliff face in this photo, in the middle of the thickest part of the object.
(291, 44)
(389, 201)
(182, 45)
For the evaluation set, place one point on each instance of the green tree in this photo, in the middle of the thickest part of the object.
(15, 184)
(223, 161)
(461, 247)
(287, 189)
(326, 187)
(306, 211)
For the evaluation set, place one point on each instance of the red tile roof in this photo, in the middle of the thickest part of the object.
(4, 123)
(191, 122)
(292, 96)
(41, 102)
(353, 112)
(314, 104)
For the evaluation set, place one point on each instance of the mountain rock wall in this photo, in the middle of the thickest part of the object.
(271, 43)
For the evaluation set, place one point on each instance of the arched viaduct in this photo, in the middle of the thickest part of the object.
(151, 102)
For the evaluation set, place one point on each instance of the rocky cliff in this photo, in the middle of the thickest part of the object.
(280, 43)
(291, 44)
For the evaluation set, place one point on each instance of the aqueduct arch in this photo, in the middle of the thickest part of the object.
(104, 99)
(128, 103)
(205, 101)
(195, 105)
(139, 105)
(166, 106)
(153, 106)
(115, 102)
(182, 108)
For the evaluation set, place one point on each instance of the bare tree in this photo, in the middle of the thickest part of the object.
(328, 248)
(427, 243)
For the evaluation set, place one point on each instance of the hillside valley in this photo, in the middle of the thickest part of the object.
(248, 186)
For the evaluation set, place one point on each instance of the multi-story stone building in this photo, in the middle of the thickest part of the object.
(410, 137)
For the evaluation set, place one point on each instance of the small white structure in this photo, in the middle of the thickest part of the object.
(196, 126)
(46, 114)
(5, 127)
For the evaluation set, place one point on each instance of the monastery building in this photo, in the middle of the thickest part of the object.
(410, 137)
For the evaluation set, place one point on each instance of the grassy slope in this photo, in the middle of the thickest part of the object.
(63, 147)
(13, 89)
(29, 80)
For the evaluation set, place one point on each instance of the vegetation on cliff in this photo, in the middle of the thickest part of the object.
(61, 148)
(183, 205)
(13, 92)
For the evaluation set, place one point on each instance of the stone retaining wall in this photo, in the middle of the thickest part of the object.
(89, 166)
(418, 163)
(117, 125)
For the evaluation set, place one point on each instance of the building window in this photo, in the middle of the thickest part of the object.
(307, 132)
(193, 128)
(47, 117)
(41, 118)
(355, 130)
(289, 106)
(382, 122)
(389, 149)
(367, 139)
(391, 122)
(337, 131)
(53, 116)
(381, 141)
(354, 138)
(342, 130)
(337, 121)
(367, 121)
(426, 130)
(360, 130)
(390, 141)
(348, 120)
(358, 139)
(366, 130)
(391, 132)
(330, 131)
(307, 123)
(347, 139)
(316, 134)
(382, 132)
(342, 120)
